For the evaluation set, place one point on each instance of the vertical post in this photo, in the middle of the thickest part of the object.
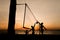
(12, 13)
(24, 15)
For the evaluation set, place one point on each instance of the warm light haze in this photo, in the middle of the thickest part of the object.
(46, 11)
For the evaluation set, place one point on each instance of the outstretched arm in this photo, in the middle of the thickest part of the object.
(45, 28)
(26, 28)
(29, 30)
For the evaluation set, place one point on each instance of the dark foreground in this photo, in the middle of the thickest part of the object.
(29, 37)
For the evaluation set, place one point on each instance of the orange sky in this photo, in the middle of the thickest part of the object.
(46, 11)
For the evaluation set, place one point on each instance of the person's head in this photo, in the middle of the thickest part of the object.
(31, 26)
(41, 22)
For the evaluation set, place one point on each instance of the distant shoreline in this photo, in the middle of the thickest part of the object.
(54, 32)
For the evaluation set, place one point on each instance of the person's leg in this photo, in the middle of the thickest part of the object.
(42, 31)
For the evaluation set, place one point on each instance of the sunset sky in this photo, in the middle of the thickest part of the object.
(46, 11)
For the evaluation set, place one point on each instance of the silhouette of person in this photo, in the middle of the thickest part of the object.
(30, 30)
(42, 28)
(33, 30)
(26, 32)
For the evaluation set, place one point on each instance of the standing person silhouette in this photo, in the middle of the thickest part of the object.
(26, 32)
(42, 28)
(33, 30)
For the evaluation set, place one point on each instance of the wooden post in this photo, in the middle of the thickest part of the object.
(12, 13)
